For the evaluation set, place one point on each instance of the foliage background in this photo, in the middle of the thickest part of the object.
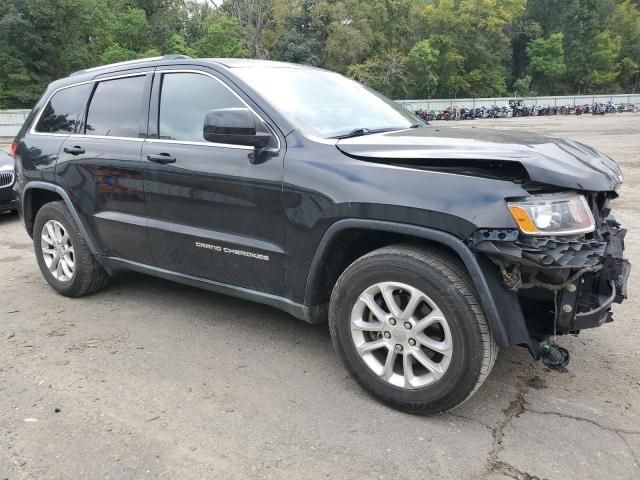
(404, 48)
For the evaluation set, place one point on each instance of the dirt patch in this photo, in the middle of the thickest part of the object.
(537, 383)
(9, 259)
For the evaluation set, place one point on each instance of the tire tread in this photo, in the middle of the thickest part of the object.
(454, 271)
(93, 277)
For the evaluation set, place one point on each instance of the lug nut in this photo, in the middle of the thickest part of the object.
(571, 288)
(567, 308)
(412, 342)
(387, 335)
(407, 325)
(392, 321)
(398, 348)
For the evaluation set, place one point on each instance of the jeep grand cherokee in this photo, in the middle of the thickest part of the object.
(426, 248)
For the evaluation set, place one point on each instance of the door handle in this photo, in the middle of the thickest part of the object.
(161, 158)
(75, 150)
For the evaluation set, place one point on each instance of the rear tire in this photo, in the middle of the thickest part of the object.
(461, 350)
(66, 262)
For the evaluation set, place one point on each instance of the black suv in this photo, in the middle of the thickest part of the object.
(426, 248)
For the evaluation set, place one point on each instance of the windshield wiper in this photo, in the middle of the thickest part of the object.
(359, 132)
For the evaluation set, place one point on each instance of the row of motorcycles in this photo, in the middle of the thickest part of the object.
(517, 108)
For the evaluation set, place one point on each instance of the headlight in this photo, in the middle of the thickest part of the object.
(553, 214)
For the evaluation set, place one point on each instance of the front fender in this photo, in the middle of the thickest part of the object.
(500, 306)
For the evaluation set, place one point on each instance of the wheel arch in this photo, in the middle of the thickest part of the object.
(330, 247)
(36, 194)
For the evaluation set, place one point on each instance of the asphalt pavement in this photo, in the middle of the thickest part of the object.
(150, 379)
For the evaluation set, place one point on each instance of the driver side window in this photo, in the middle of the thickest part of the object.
(185, 99)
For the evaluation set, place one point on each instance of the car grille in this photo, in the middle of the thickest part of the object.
(6, 179)
(562, 252)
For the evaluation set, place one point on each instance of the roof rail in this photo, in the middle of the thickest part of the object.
(131, 62)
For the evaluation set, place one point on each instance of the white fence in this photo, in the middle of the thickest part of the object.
(443, 104)
(11, 121)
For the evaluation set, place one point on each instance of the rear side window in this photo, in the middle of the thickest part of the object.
(185, 99)
(64, 111)
(115, 108)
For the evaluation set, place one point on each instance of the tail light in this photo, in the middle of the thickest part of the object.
(14, 150)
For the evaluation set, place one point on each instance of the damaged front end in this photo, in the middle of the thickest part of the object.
(556, 284)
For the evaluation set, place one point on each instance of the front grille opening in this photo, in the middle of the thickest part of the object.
(6, 179)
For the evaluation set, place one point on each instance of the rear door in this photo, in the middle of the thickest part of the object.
(101, 166)
(59, 118)
(212, 213)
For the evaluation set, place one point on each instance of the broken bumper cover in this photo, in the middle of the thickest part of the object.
(593, 308)
(562, 284)
(594, 317)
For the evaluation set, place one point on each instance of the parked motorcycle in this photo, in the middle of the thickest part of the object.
(517, 108)
(610, 108)
(599, 109)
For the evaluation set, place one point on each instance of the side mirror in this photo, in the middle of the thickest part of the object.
(234, 126)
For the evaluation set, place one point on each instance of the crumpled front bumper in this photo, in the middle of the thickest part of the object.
(563, 285)
(597, 292)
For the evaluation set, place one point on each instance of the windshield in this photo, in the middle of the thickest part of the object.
(325, 104)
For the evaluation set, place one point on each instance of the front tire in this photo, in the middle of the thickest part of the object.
(407, 323)
(63, 256)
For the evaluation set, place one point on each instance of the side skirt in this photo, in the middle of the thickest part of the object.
(309, 314)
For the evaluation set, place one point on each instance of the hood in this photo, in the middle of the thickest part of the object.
(547, 160)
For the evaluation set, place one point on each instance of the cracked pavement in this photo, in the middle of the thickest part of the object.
(149, 379)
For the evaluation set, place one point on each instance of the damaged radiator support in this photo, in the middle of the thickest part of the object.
(513, 279)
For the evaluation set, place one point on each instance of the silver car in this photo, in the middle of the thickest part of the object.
(7, 179)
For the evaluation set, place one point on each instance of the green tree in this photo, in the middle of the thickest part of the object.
(422, 63)
(443, 48)
(76, 32)
(629, 75)
(131, 29)
(222, 37)
(474, 45)
(521, 31)
(581, 21)
(523, 87)
(22, 74)
(116, 53)
(625, 23)
(605, 68)
(295, 47)
(385, 73)
(178, 45)
(546, 62)
(337, 56)
(254, 18)
(393, 24)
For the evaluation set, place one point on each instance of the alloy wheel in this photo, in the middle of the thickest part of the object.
(57, 251)
(401, 335)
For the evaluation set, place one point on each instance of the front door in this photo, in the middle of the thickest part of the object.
(212, 213)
